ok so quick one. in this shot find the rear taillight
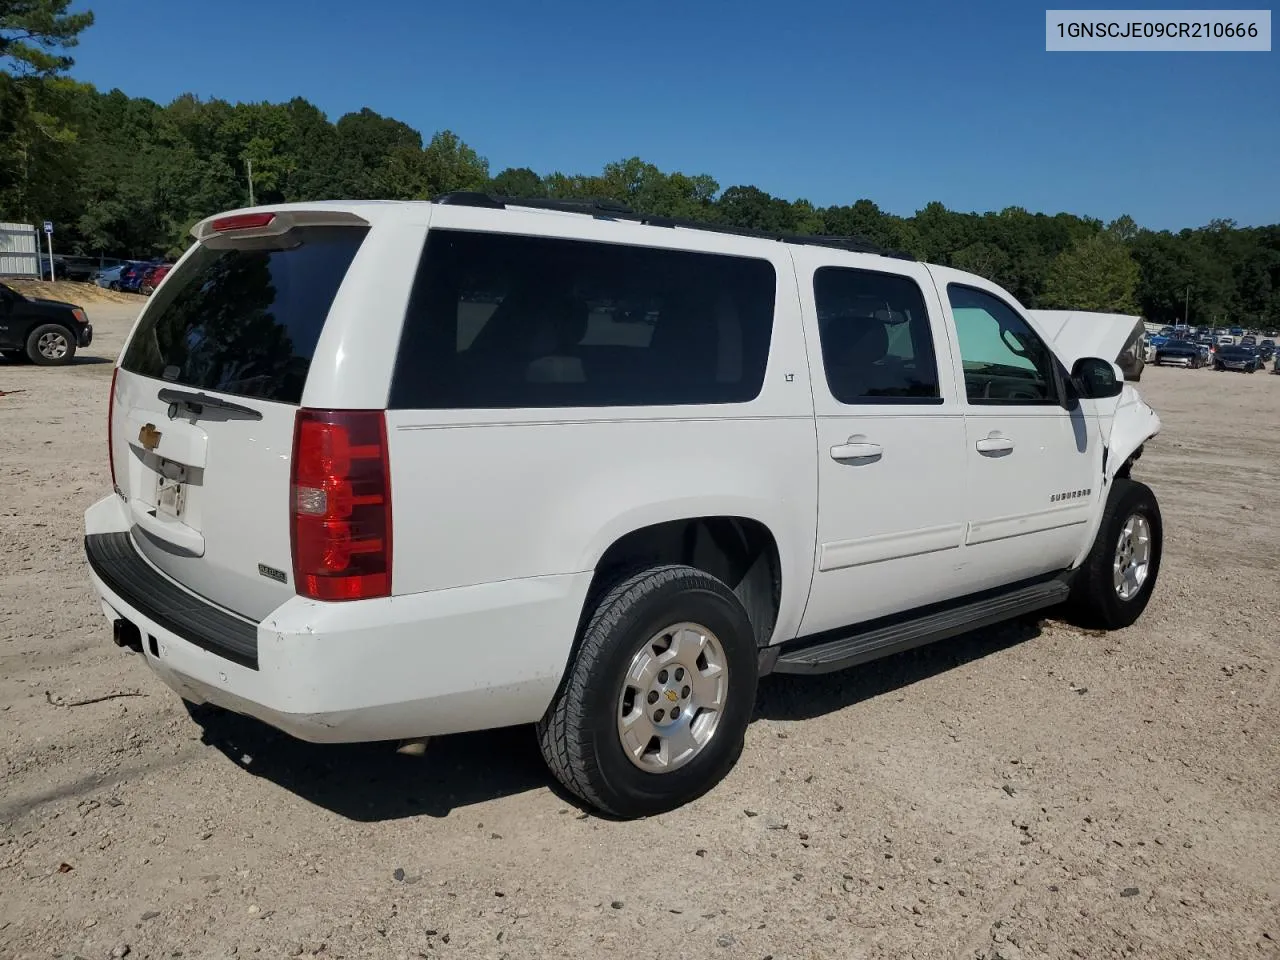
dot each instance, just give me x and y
(111, 415)
(340, 500)
(242, 221)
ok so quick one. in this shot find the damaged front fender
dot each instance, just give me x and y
(1131, 424)
(1126, 423)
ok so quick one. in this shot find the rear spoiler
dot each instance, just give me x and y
(271, 223)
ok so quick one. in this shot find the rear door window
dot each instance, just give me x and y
(876, 342)
(505, 321)
(243, 317)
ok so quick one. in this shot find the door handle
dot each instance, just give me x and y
(858, 448)
(995, 443)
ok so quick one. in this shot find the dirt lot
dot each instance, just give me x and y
(81, 293)
(1032, 791)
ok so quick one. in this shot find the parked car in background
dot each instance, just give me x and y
(151, 279)
(1236, 332)
(131, 277)
(45, 332)
(81, 269)
(1237, 358)
(1180, 353)
(1267, 349)
(59, 267)
(109, 277)
(1226, 340)
(1248, 340)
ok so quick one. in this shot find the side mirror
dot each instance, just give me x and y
(1095, 379)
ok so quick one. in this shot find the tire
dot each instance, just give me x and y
(51, 345)
(114, 285)
(1096, 599)
(146, 289)
(580, 735)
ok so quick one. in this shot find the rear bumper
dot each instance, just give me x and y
(468, 658)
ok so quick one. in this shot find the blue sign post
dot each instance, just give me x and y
(48, 234)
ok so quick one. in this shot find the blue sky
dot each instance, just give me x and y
(901, 103)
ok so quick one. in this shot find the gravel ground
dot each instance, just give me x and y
(1031, 791)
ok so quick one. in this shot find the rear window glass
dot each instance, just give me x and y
(244, 319)
(502, 321)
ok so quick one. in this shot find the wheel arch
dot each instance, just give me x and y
(741, 551)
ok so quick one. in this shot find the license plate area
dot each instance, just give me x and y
(171, 489)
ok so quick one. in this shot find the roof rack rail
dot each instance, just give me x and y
(613, 209)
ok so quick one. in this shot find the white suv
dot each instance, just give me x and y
(389, 470)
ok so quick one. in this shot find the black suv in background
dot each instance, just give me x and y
(46, 332)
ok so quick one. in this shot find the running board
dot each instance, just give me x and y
(870, 642)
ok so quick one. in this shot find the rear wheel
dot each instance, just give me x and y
(146, 289)
(654, 707)
(1112, 587)
(51, 345)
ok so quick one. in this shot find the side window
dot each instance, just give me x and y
(876, 343)
(506, 321)
(1004, 361)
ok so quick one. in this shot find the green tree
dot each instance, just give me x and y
(32, 32)
(1095, 273)
(36, 144)
(517, 182)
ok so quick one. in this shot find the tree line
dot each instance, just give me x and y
(125, 176)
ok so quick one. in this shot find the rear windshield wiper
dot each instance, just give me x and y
(195, 405)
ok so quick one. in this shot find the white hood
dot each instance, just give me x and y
(1079, 333)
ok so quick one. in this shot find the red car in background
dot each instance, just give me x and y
(151, 279)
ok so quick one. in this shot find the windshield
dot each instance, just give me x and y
(244, 319)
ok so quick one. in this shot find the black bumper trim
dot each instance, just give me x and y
(115, 559)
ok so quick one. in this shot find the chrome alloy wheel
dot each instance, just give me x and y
(673, 697)
(53, 345)
(1133, 557)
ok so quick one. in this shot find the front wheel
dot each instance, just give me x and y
(654, 707)
(1114, 583)
(51, 345)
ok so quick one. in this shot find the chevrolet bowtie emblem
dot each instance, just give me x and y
(149, 436)
(671, 695)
